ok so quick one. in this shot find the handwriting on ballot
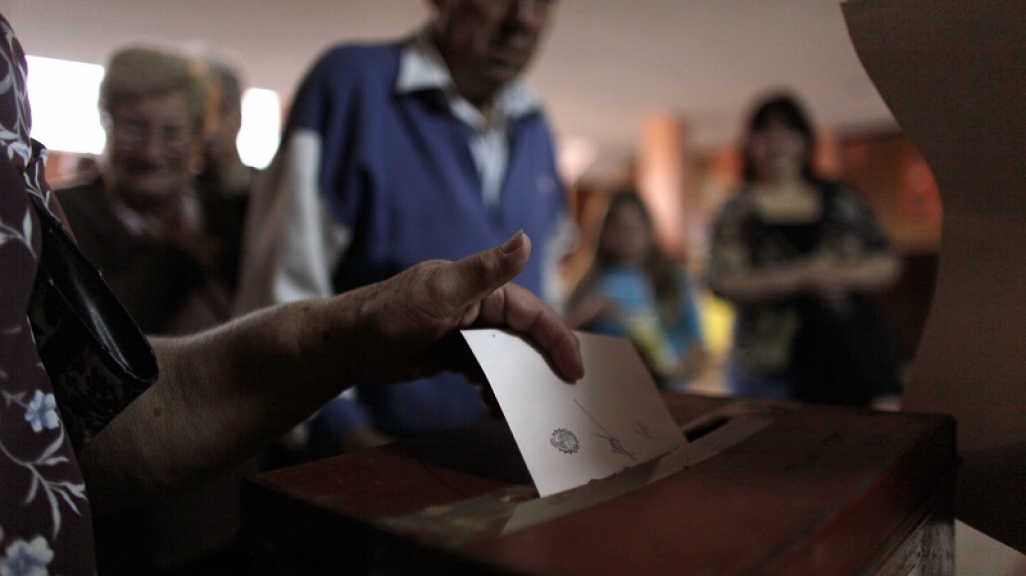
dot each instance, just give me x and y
(569, 434)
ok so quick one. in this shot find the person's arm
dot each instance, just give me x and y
(858, 256)
(874, 273)
(830, 278)
(862, 261)
(731, 273)
(694, 358)
(294, 240)
(305, 204)
(823, 276)
(224, 393)
(558, 246)
(691, 314)
(761, 284)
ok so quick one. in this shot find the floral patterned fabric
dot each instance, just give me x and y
(45, 522)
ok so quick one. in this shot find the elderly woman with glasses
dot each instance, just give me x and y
(159, 244)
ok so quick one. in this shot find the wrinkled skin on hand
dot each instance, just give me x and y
(407, 327)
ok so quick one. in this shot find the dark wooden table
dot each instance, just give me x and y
(809, 490)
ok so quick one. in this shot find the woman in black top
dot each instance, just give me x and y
(797, 255)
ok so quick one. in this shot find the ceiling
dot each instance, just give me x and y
(605, 66)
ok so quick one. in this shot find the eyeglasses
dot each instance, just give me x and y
(137, 132)
(508, 2)
(541, 7)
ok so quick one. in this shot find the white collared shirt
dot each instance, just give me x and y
(421, 68)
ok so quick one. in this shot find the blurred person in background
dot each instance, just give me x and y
(223, 171)
(428, 147)
(164, 248)
(96, 418)
(633, 289)
(168, 245)
(800, 256)
(224, 181)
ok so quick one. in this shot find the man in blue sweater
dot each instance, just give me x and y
(394, 153)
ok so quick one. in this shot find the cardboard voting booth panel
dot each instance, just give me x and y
(954, 75)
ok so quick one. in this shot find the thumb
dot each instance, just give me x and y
(480, 274)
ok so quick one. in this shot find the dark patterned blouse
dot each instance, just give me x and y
(742, 241)
(69, 360)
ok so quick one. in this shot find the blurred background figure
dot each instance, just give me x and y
(431, 146)
(223, 172)
(224, 181)
(633, 289)
(169, 248)
(799, 257)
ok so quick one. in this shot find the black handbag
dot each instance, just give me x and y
(94, 353)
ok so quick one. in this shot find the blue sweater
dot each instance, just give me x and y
(395, 171)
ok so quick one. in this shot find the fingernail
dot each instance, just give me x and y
(514, 243)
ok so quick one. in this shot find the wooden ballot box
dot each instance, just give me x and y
(765, 489)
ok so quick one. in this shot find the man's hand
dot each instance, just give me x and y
(407, 327)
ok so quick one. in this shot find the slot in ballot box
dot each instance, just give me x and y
(761, 488)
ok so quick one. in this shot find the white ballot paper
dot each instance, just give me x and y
(569, 434)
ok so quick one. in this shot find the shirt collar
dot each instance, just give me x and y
(421, 67)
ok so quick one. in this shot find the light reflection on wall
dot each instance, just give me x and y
(261, 127)
(63, 95)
